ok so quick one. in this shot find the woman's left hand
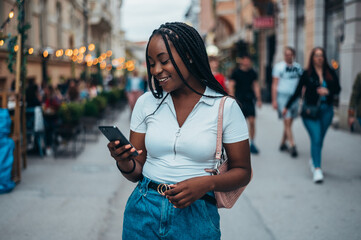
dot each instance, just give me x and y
(322, 91)
(184, 193)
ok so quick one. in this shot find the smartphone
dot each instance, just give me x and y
(112, 133)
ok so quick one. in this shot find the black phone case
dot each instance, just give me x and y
(112, 133)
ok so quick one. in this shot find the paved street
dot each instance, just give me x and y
(84, 198)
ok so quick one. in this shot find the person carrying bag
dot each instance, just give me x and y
(321, 84)
(174, 130)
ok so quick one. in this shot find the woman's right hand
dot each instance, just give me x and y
(121, 153)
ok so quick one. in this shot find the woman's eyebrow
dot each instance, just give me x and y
(161, 54)
(158, 56)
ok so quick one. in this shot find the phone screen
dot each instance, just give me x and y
(112, 133)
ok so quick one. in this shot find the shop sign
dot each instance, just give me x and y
(263, 22)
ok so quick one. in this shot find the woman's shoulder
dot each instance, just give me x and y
(147, 97)
(231, 104)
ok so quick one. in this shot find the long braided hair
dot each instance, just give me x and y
(189, 45)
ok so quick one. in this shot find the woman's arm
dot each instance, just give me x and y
(337, 88)
(123, 157)
(298, 90)
(185, 193)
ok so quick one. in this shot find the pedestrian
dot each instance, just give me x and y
(214, 64)
(321, 84)
(174, 129)
(134, 88)
(32, 94)
(72, 94)
(51, 105)
(354, 110)
(244, 86)
(285, 77)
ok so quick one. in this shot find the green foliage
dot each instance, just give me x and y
(118, 93)
(71, 112)
(12, 54)
(111, 97)
(91, 109)
(101, 102)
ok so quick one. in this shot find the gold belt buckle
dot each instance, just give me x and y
(162, 188)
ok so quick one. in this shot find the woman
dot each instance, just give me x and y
(174, 129)
(321, 85)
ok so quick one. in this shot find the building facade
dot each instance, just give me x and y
(58, 27)
(263, 28)
(240, 27)
(334, 25)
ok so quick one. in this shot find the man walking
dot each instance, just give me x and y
(286, 75)
(244, 86)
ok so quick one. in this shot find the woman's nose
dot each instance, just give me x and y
(157, 69)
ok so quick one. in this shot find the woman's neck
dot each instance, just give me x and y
(319, 70)
(185, 91)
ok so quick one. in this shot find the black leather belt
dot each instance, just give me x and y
(161, 188)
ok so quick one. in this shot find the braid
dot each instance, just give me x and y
(189, 45)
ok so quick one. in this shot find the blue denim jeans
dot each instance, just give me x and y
(149, 215)
(317, 130)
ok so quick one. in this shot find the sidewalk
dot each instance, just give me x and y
(282, 202)
(84, 198)
(67, 198)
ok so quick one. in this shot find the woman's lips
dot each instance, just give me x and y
(163, 81)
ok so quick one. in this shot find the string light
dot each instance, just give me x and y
(76, 52)
(109, 53)
(68, 52)
(82, 49)
(30, 51)
(45, 54)
(91, 47)
(11, 14)
(88, 57)
(16, 48)
(1, 42)
(103, 65)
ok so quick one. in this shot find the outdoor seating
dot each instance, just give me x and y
(35, 129)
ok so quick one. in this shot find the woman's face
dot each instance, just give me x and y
(318, 58)
(161, 67)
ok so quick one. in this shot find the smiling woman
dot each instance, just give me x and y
(156, 12)
(175, 195)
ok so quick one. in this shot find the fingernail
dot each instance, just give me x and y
(132, 150)
(116, 142)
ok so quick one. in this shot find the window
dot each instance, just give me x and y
(43, 23)
(300, 31)
(334, 31)
(59, 25)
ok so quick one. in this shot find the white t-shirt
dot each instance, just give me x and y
(175, 154)
(288, 76)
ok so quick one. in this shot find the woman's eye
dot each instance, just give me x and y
(151, 65)
(165, 62)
